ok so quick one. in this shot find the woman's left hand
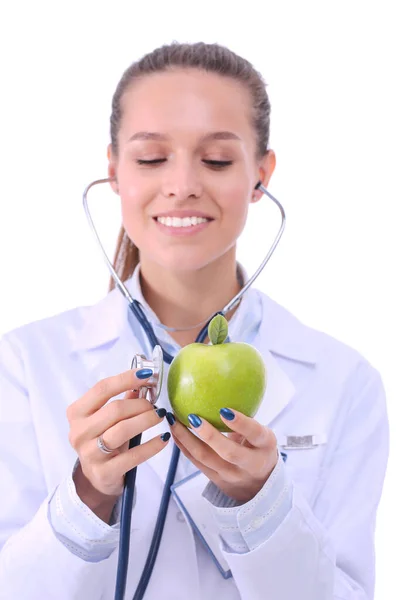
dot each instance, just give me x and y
(239, 464)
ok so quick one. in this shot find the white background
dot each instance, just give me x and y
(332, 70)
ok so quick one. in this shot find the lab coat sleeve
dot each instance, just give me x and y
(33, 562)
(243, 527)
(326, 552)
(78, 528)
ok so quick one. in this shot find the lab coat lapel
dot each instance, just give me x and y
(104, 345)
(281, 334)
(279, 392)
(115, 358)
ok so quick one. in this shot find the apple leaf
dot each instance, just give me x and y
(218, 330)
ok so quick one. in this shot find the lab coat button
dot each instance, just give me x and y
(257, 522)
(180, 517)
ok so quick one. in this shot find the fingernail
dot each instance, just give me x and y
(165, 436)
(161, 412)
(144, 373)
(170, 418)
(227, 414)
(194, 420)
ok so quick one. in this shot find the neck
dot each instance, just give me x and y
(184, 298)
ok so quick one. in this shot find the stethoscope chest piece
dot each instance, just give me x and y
(151, 391)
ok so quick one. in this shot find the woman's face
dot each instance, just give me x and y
(187, 148)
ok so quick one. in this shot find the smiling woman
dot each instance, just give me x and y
(189, 147)
(208, 142)
(196, 155)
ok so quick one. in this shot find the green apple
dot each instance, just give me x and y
(205, 378)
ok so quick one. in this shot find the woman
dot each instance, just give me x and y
(189, 144)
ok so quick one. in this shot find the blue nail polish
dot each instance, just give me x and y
(170, 418)
(227, 414)
(161, 412)
(194, 420)
(284, 456)
(144, 373)
(165, 436)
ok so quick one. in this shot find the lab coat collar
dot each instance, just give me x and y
(282, 333)
(103, 322)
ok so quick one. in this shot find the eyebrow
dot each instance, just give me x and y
(216, 135)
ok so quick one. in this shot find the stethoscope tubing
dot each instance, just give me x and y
(129, 487)
(130, 476)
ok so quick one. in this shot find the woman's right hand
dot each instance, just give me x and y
(99, 478)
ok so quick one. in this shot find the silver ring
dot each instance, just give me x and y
(102, 446)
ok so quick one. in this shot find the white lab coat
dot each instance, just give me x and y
(324, 549)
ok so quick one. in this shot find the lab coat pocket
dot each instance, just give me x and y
(308, 480)
(303, 462)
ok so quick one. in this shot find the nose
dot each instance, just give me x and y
(181, 181)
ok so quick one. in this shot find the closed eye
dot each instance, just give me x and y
(219, 164)
(155, 161)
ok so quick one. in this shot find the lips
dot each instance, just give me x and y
(185, 231)
(181, 214)
(172, 216)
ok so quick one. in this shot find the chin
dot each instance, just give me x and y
(189, 260)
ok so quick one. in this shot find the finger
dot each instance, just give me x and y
(124, 430)
(256, 434)
(135, 456)
(238, 438)
(104, 390)
(112, 413)
(199, 450)
(210, 473)
(225, 448)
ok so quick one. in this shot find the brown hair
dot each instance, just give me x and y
(207, 57)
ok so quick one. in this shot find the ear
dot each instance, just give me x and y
(266, 167)
(112, 169)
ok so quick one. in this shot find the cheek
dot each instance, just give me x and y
(133, 203)
(133, 188)
(234, 209)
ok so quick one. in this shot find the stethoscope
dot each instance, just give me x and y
(151, 392)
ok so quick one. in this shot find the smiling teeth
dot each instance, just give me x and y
(177, 222)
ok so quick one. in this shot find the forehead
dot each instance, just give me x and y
(187, 100)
